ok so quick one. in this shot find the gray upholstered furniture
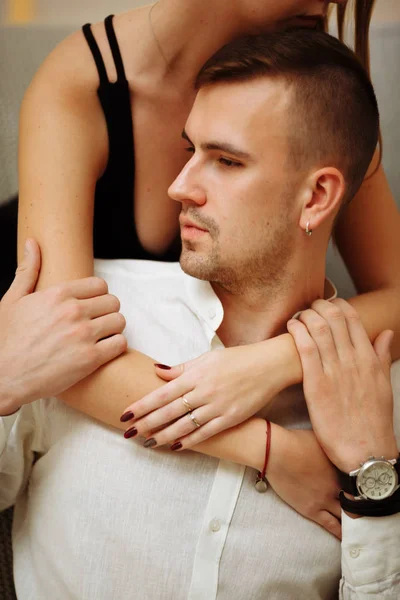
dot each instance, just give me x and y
(23, 49)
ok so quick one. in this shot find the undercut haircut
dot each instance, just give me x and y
(333, 118)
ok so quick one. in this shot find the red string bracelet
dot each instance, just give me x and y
(261, 481)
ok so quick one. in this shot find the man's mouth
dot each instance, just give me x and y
(186, 223)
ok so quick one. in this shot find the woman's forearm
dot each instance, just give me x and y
(132, 376)
(380, 310)
(243, 444)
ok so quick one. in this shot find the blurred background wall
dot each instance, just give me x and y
(77, 11)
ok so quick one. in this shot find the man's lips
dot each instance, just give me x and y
(184, 222)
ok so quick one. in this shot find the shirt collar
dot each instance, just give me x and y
(208, 307)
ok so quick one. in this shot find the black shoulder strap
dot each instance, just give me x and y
(98, 59)
(112, 40)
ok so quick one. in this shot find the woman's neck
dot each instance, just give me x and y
(187, 33)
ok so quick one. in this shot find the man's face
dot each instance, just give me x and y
(238, 218)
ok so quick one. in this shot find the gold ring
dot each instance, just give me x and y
(186, 403)
(195, 421)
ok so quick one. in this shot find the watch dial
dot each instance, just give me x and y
(377, 481)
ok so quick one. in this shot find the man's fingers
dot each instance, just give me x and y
(26, 275)
(89, 287)
(338, 326)
(108, 349)
(320, 331)
(382, 349)
(356, 329)
(100, 306)
(330, 523)
(306, 347)
(108, 325)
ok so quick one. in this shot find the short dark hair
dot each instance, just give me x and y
(335, 115)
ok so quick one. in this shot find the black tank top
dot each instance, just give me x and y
(114, 233)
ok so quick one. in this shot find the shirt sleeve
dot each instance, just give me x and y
(370, 558)
(20, 436)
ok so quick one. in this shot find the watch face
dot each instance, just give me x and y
(377, 480)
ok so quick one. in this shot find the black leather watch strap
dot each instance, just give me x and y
(370, 508)
(348, 484)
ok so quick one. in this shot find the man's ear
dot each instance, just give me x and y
(322, 198)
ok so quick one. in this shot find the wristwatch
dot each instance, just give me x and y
(377, 479)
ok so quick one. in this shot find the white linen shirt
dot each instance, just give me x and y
(99, 517)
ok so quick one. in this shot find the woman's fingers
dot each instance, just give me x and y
(168, 373)
(186, 425)
(200, 434)
(165, 414)
(157, 399)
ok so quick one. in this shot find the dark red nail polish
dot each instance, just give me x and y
(176, 446)
(130, 433)
(165, 367)
(150, 443)
(127, 416)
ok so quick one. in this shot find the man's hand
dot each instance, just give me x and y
(346, 383)
(301, 474)
(51, 339)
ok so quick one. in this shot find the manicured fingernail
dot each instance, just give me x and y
(130, 433)
(176, 446)
(150, 443)
(165, 367)
(127, 416)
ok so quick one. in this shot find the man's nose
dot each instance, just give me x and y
(187, 187)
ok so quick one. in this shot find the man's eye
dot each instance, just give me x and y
(190, 149)
(228, 163)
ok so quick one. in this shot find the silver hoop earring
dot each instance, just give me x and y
(308, 231)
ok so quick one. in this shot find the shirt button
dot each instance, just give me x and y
(355, 553)
(212, 314)
(215, 525)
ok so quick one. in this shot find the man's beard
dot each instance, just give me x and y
(258, 268)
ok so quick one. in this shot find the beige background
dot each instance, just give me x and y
(79, 11)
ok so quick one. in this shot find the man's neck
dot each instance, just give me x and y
(252, 316)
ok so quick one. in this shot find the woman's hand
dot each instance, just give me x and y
(223, 388)
(346, 383)
(51, 339)
(301, 474)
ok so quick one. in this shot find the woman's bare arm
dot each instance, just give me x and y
(62, 153)
(368, 237)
